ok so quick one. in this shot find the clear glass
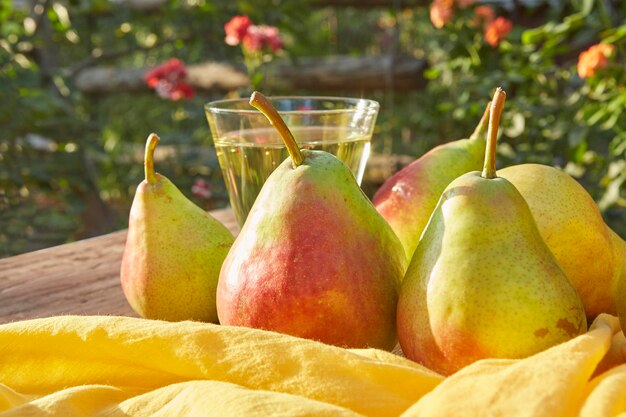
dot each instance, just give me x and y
(249, 148)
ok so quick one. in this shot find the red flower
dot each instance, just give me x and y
(172, 69)
(497, 30)
(260, 37)
(175, 92)
(236, 29)
(594, 58)
(441, 12)
(272, 38)
(254, 38)
(201, 188)
(168, 80)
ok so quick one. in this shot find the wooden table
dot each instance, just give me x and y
(77, 278)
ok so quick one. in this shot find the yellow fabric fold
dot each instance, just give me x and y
(120, 366)
(45, 357)
(191, 398)
(607, 392)
(607, 397)
(550, 383)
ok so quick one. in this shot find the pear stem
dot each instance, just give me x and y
(148, 160)
(481, 128)
(260, 102)
(497, 104)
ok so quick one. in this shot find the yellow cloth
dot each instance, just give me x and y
(119, 366)
(551, 383)
(79, 366)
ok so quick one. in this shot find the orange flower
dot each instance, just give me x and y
(594, 58)
(484, 15)
(441, 12)
(497, 30)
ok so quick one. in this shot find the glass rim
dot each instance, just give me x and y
(371, 105)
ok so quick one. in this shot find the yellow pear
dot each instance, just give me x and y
(619, 254)
(573, 228)
(174, 251)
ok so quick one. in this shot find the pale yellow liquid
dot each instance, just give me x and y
(247, 158)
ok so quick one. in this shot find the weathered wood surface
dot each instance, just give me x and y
(353, 73)
(77, 278)
(208, 76)
(343, 73)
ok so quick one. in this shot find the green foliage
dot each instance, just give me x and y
(69, 162)
(552, 116)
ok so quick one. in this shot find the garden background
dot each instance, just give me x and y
(83, 82)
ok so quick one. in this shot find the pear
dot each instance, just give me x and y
(314, 258)
(619, 255)
(572, 226)
(174, 251)
(407, 198)
(482, 282)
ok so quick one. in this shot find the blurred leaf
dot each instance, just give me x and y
(615, 35)
(432, 73)
(577, 136)
(533, 36)
(517, 127)
(587, 6)
(598, 115)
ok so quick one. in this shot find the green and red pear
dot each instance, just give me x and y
(314, 258)
(407, 198)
